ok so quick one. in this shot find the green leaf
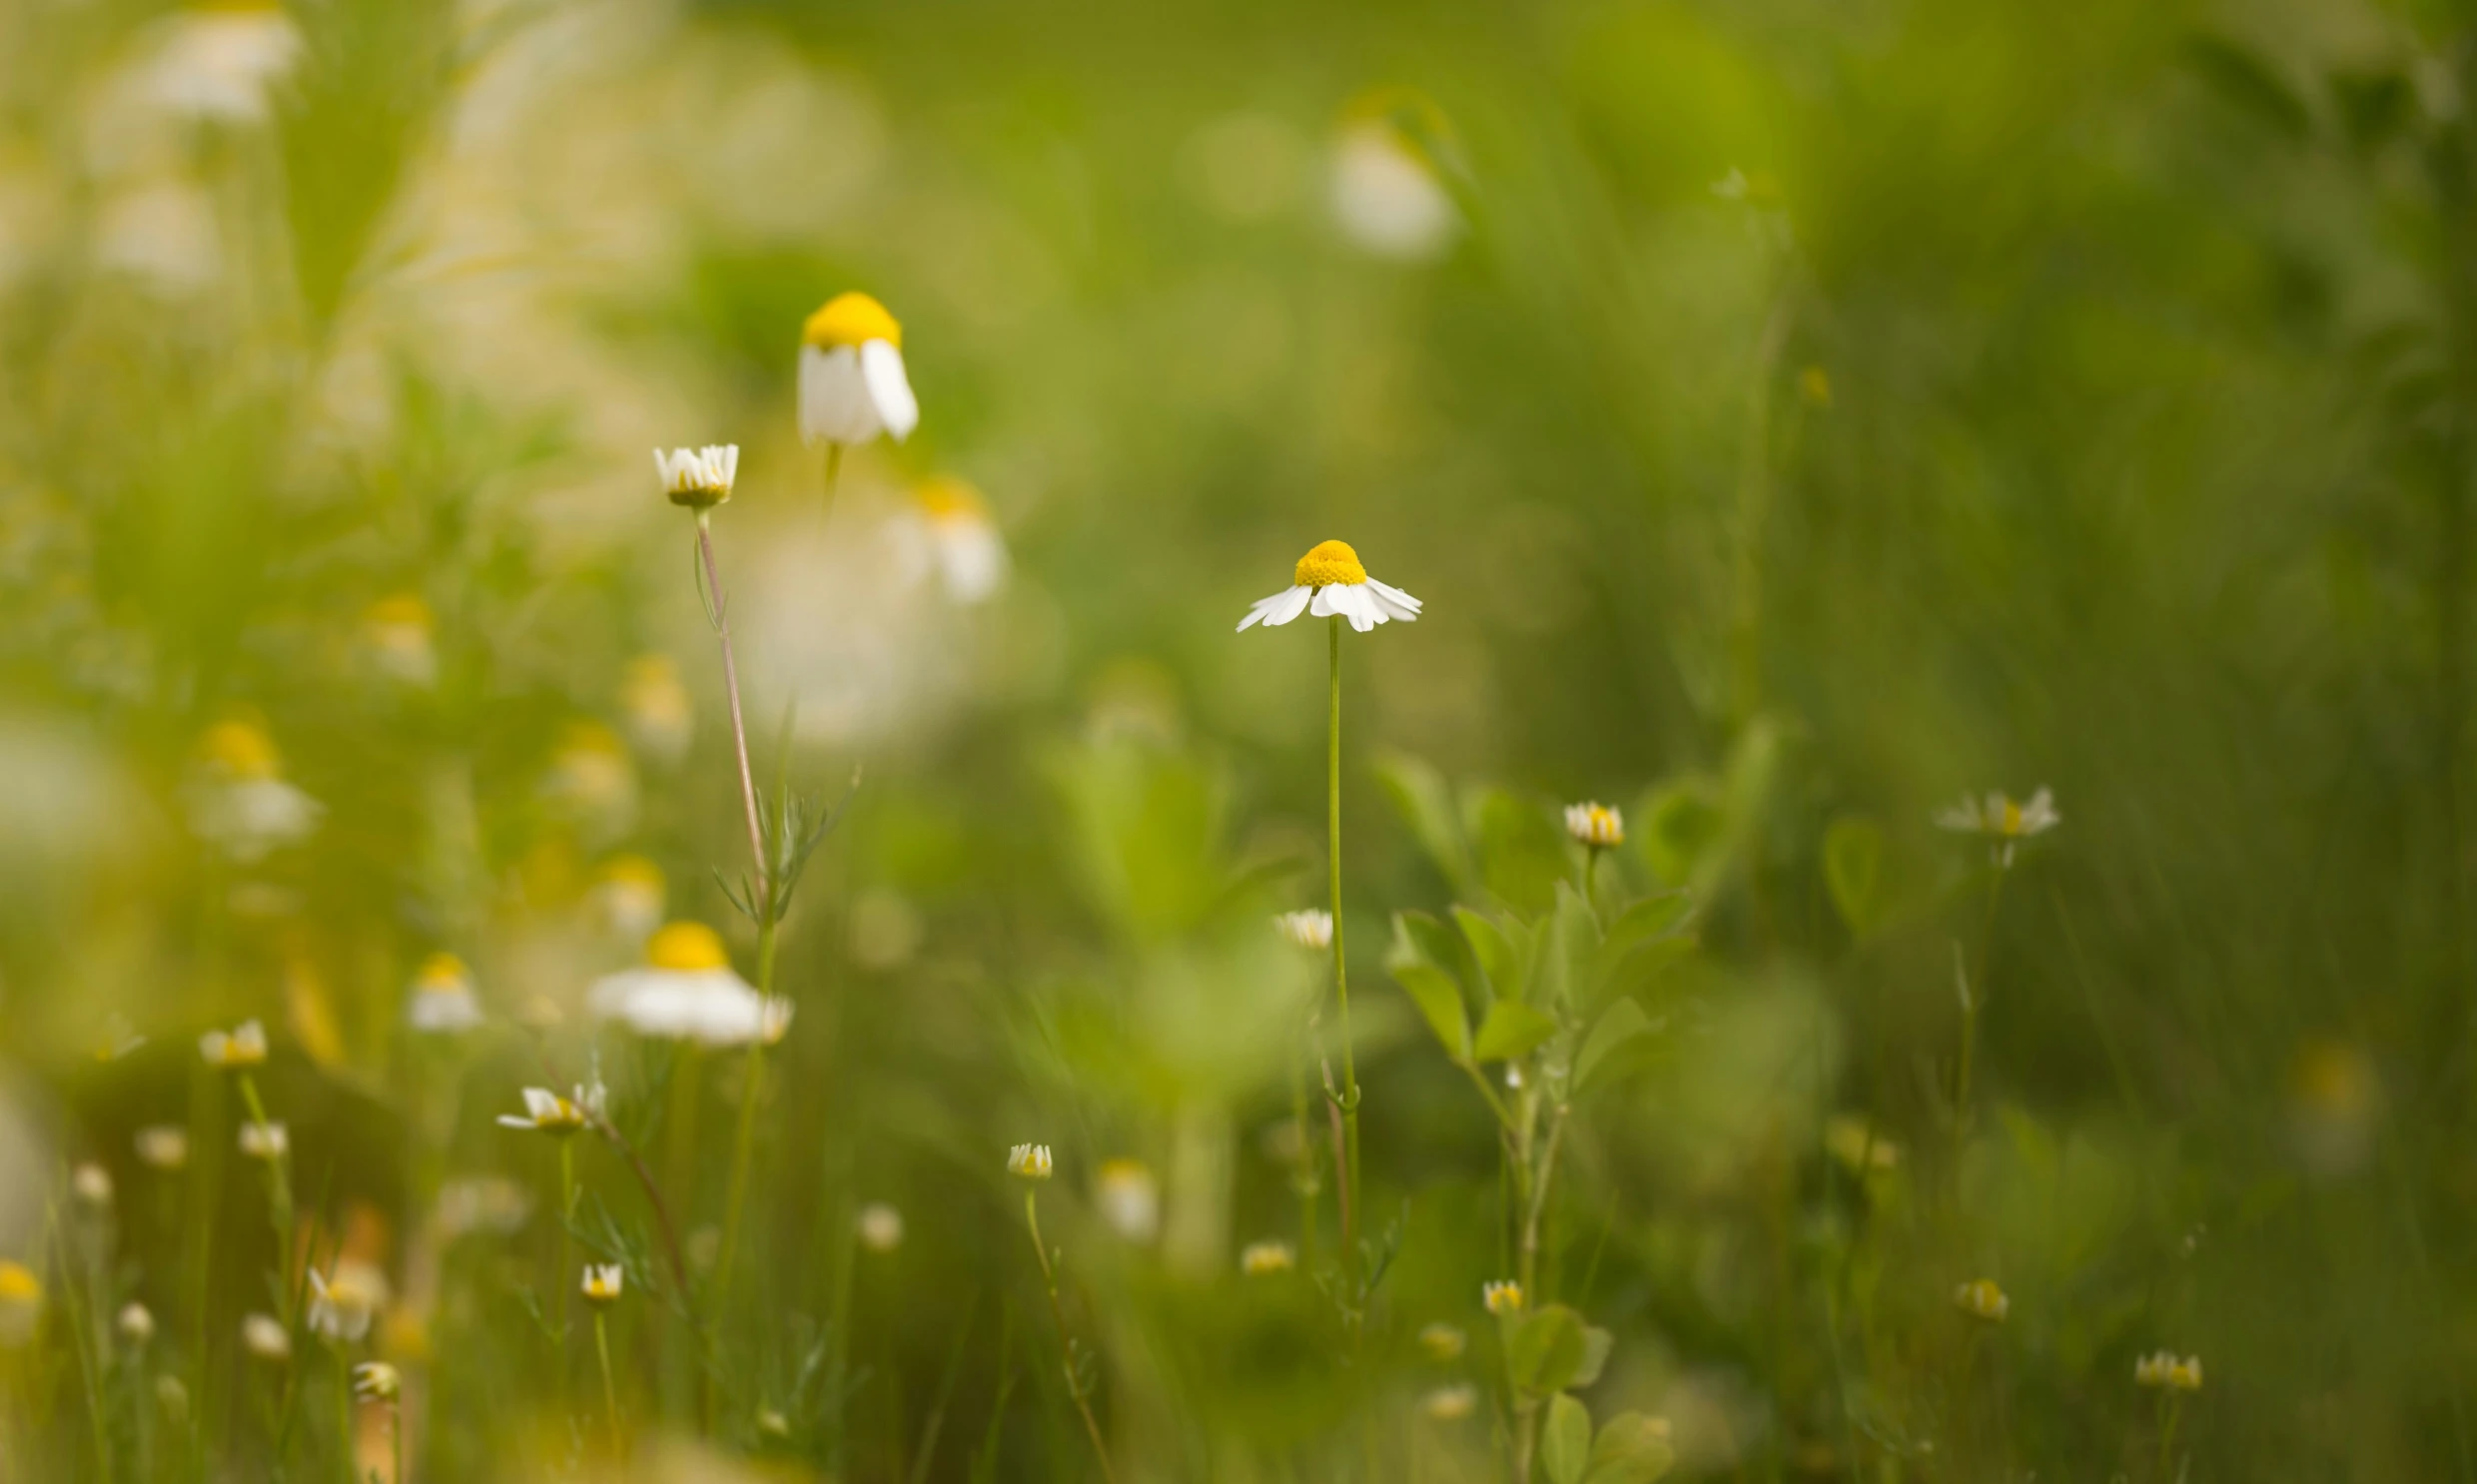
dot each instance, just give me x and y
(1596, 1344)
(1682, 827)
(1498, 959)
(1441, 999)
(1511, 1030)
(1428, 941)
(1522, 848)
(1426, 803)
(1545, 1350)
(1565, 1444)
(1622, 1030)
(1853, 866)
(1631, 1449)
(1576, 930)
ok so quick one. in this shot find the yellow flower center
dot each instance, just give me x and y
(442, 974)
(1328, 562)
(851, 320)
(18, 1284)
(402, 610)
(687, 948)
(943, 499)
(240, 749)
(633, 871)
(2008, 819)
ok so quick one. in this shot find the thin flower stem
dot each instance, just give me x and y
(743, 1145)
(610, 1391)
(2171, 1407)
(722, 611)
(1065, 1345)
(568, 1254)
(1540, 1178)
(1350, 1177)
(1976, 998)
(344, 1417)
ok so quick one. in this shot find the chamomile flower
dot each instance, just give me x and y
(2003, 820)
(1329, 582)
(343, 1302)
(21, 1303)
(396, 634)
(687, 990)
(265, 1141)
(603, 1283)
(1031, 1160)
(1388, 196)
(661, 718)
(879, 1226)
(629, 896)
(1130, 1199)
(442, 1000)
(546, 1111)
(135, 1323)
(2165, 1369)
(1311, 928)
(1442, 1341)
(852, 381)
(265, 1339)
(698, 478)
(1449, 1403)
(1263, 1258)
(244, 1047)
(946, 532)
(1501, 1297)
(376, 1380)
(237, 800)
(91, 1184)
(1981, 1298)
(162, 1147)
(1595, 825)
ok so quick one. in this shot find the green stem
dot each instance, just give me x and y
(1066, 1346)
(744, 1143)
(564, 1278)
(1342, 973)
(2171, 1407)
(1970, 1007)
(344, 1417)
(610, 1391)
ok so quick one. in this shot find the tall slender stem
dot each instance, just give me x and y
(720, 612)
(1066, 1344)
(568, 1254)
(611, 1392)
(751, 1081)
(1342, 973)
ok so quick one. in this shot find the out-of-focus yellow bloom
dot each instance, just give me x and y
(686, 990)
(1031, 1160)
(162, 1147)
(629, 896)
(1262, 1258)
(880, 1227)
(21, 1303)
(661, 718)
(1501, 1297)
(1981, 1296)
(603, 1283)
(442, 999)
(852, 381)
(240, 802)
(376, 1380)
(546, 1111)
(1310, 928)
(1130, 1199)
(343, 1304)
(265, 1338)
(397, 631)
(947, 532)
(1449, 1403)
(2167, 1371)
(698, 478)
(1595, 825)
(592, 779)
(1330, 581)
(1442, 1341)
(2334, 1102)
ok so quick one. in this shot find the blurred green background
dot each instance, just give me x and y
(1794, 416)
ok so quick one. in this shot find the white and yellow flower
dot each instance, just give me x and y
(2003, 820)
(946, 532)
(21, 1303)
(441, 1001)
(1311, 928)
(397, 633)
(238, 1050)
(1329, 582)
(603, 1283)
(1130, 1198)
(1442, 1341)
(852, 381)
(1388, 194)
(135, 1324)
(376, 1380)
(1595, 825)
(686, 989)
(629, 895)
(1981, 1298)
(698, 478)
(239, 802)
(162, 1146)
(265, 1338)
(1449, 1403)
(485, 1204)
(1501, 1297)
(91, 1184)
(218, 61)
(343, 1302)
(661, 718)
(546, 1111)
(2167, 1371)
(879, 1226)
(1031, 1160)
(1264, 1258)
(266, 1141)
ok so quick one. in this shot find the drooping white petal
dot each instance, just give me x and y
(1328, 600)
(1360, 605)
(1397, 598)
(1280, 608)
(890, 390)
(835, 401)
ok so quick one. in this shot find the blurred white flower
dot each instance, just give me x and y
(852, 381)
(485, 1204)
(443, 1000)
(160, 232)
(546, 1111)
(238, 801)
(268, 1142)
(1449, 1403)
(91, 1184)
(945, 530)
(592, 781)
(343, 1302)
(376, 1380)
(218, 61)
(687, 990)
(2163, 1368)
(1387, 195)
(1262, 1258)
(1308, 927)
(629, 897)
(2002, 819)
(603, 1283)
(1595, 825)
(1328, 580)
(135, 1323)
(1442, 1341)
(162, 1146)
(242, 1046)
(700, 478)
(1130, 1199)
(661, 718)
(397, 632)
(1031, 1160)
(880, 1227)
(265, 1338)
(1981, 1296)
(1501, 1297)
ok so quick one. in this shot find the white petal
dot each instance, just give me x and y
(835, 404)
(1280, 608)
(890, 391)
(1395, 596)
(1328, 600)
(1360, 605)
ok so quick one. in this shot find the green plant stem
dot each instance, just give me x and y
(743, 1143)
(344, 1417)
(610, 1391)
(280, 1202)
(1349, 1176)
(565, 1278)
(720, 612)
(2170, 1408)
(1971, 1005)
(1544, 1170)
(1065, 1345)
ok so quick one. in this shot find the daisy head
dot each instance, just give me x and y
(546, 1111)
(1130, 1199)
(686, 989)
(343, 1302)
(1263, 1258)
(1442, 1341)
(1329, 582)
(698, 478)
(2002, 817)
(265, 1339)
(1502, 1298)
(21, 1303)
(266, 1141)
(1031, 1160)
(629, 896)
(135, 1323)
(603, 1283)
(1449, 1403)
(376, 1380)
(398, 631)
(852, 381)
(1595, 825)
(442, 999)
(2167, 1371)
(1981, 1298)
(880, 1227)
(162, 1146)
(947, 532)
(1308, 927)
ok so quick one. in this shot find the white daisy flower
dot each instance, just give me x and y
(443, 999)
(880, 1227)
(343, 1302)
(946, 532)
(698, 478)
(546, 1111)
(1263, 1258)
(265, 1338)
(162, 1146)
(603, 1283)
(1329, 582)
(629, 897)
(686, 990)
(1130, 1199)
(1981, 1298)
(242, 1046)
(1031, 1160)
(1449, 1403)
(268, 1142)
(1501, 1296)
(1310, 928)
(397, 633)
(1387, 195)
(852, 382)
(1595, 825)
(240, 802)
(2005, 821)
(91, 1184)
(376, 1380)
(136, 1323)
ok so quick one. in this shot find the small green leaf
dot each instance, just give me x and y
(1427, 941)
(1852, 865)
(1631, 1449)
(1440, 1001)
(1577, 930)
(1544, 1351)
(1497, 957)
(1426, 803)
(1565, 1444)
(1621, 1030)
(1511, 1030)
(1596, 1344)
